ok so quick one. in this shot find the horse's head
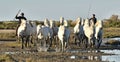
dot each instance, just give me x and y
(65, 23)
(91, 22)
(46, 22)
(61, 20)
(52, 23)
(83, 22)
(87, 22)
(78, 20)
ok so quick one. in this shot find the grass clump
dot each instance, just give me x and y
(111, 32)
(7, 36)
(6, 58)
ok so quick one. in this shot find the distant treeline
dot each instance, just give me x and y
(113, 21)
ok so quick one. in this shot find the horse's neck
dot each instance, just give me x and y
(46, 24)
(78, 25)
(99, 24)
(87, 24)
(23, 21)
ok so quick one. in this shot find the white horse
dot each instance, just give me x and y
(47, 24)
(89, 31)
(77, 30)
(98, 32)
(43, 34)
(25, 30)
(41, 31)
(55, 30)
(64, 35)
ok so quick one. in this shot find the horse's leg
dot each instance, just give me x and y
(55, 40)
(85, 41)
(75, 38)
(67, 43)
(35, 40)
(50, 42)
(62, 43)
(27, 40)
(31, 39)
(80, 40)
(22, 42)
(92, 42)
(99, 42)
(89, 42)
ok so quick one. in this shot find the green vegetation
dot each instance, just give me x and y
(8, 25)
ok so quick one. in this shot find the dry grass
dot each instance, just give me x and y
(111, 32)
(10, 45)
(107, 33)
(6, 58)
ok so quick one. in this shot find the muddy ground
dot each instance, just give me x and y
(10, 52)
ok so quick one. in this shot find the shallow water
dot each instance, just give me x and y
(112, 56)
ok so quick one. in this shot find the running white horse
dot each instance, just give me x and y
(63, 35)
(47, 24)
(43, 34)
(55, 30)
(44, 31)
(77, 30)
(98, 32)
(89, 31)
(25, 30)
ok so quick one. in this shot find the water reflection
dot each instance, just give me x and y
(111, 58)
(96, 58)
(113, 55)
(108, 58)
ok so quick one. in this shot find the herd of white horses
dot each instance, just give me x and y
(84, 31)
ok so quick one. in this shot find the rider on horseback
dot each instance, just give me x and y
(20, 18)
